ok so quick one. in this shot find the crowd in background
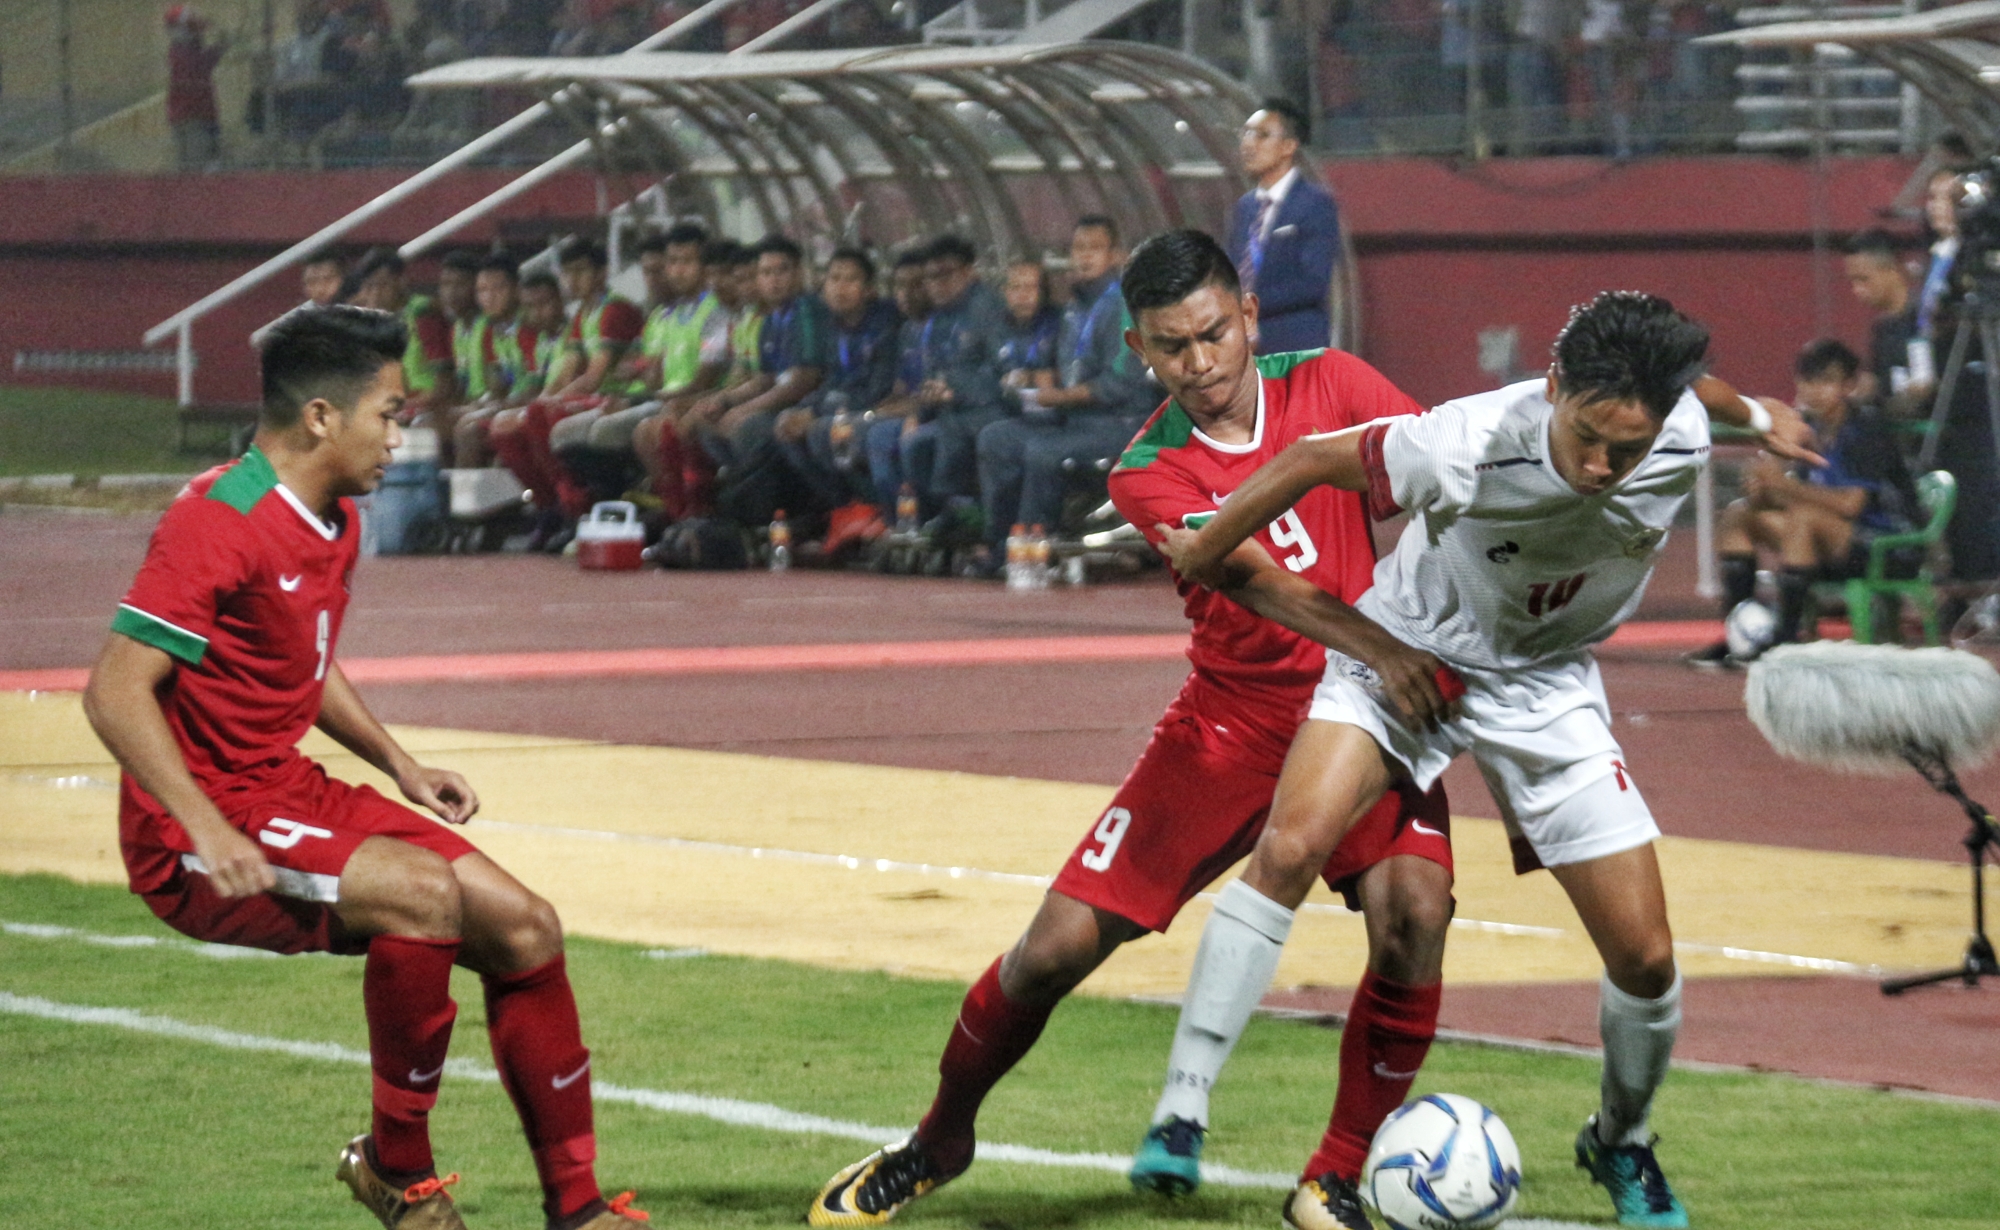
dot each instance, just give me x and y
(848, 402)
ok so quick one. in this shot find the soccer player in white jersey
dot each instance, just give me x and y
(1537, 512)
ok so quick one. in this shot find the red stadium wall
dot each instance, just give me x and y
(89, 262)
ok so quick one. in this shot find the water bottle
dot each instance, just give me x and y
(906, 510)
(1017, 558)
(1038, 558)
(781, 543)
(840, 433)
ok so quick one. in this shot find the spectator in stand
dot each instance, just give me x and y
(1876, 276)
(482, 357)
(1028, 356)
(960, 391)
(821, 437)
(735, 425)
(1612, 60)
(191, 109)
(321, 278)
(427, 364)
(897, 418)
(1285, 234)
(1535, 74)
(1818, 526)
(1104, 397)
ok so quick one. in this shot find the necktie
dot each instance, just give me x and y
(1253, 251)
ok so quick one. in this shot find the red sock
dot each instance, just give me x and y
(406, 989)
(538, 1046)
(991, 1035)
(518, 455)
(1389, 1031)
(669, 482)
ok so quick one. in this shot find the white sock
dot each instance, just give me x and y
(1232, 970)
(1638, 1041)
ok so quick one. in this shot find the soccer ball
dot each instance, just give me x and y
(1442, 1162)
(1750, 629)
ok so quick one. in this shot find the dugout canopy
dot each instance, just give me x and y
(1007, 145)
(1951, 54)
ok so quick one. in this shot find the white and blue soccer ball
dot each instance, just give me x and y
(1750, 629)
(1442, 1162)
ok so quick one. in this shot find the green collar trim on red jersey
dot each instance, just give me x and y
(1278, 366)
(245, 483)
(1173, 429)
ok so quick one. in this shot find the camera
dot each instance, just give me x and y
(1977, 268)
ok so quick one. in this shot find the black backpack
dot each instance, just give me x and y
(707, 543)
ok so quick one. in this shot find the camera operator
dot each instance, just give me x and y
(1962, 290)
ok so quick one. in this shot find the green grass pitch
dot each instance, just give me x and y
(124, 1128)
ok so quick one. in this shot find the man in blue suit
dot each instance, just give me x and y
(1284, 235)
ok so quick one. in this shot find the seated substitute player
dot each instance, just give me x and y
(1198, 795)
(1819, 525)
(1538, 511)
(222, 657)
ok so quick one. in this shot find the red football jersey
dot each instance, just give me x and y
(245, 587)
(1249, 673)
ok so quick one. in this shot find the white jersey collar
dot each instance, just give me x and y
(1256, 435)
(326, 531)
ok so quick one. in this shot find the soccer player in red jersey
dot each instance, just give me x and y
(1197, 799)
(222, 657)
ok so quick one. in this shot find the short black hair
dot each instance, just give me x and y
(1102, 222)
(500, 263)
(325, 352)
(461, 260)
(1874, 242)
(781, 245)
(325, 256)
(374, 261)
(856, 257)
(652, 243)
(1172, 265)
(1821, 355)
(952, 248)
(1297, 126)
(681, 234)
(741, 254)
(1629, 345)
(915, 254)
(582, 248)
(542, 281)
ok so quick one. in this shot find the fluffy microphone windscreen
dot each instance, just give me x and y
(1855, 708)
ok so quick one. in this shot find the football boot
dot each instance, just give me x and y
(1169, 1158)
(1632, 1175)
(876, 1188)
(423, 1205)
(1327, 1203)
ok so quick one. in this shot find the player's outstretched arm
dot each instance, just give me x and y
(1332, 460)
(1412, 679)
(346, 719)
(123, 705)
(1783, 430)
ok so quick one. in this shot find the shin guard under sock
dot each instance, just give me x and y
(1232, 970)
(1389, 1031)
(538, 1045)
(406, 990)
(991, 1035)
(1638, 1045)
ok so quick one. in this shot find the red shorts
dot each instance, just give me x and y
(307, 829)
(1187, 812)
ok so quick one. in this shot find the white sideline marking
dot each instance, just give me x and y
(760, 1115)
(47, 931)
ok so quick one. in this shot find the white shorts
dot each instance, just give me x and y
(1542, 739)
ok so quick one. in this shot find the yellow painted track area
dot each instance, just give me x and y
(933, 873)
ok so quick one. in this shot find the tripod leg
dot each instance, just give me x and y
(1947, 388)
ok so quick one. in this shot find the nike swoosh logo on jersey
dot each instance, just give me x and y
(424, 1078)
(1217, 498)
(1420, 827)
(291, 584)
(564, 1082)
(1382, 1070)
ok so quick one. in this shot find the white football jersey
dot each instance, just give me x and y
(1504, 564)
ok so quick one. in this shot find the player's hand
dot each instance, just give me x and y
(1415, 683)
(1181, 547)
(236, 867)
(444, 792)
(1789, 437)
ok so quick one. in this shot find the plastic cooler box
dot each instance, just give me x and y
(478, 494)
(610, 538)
